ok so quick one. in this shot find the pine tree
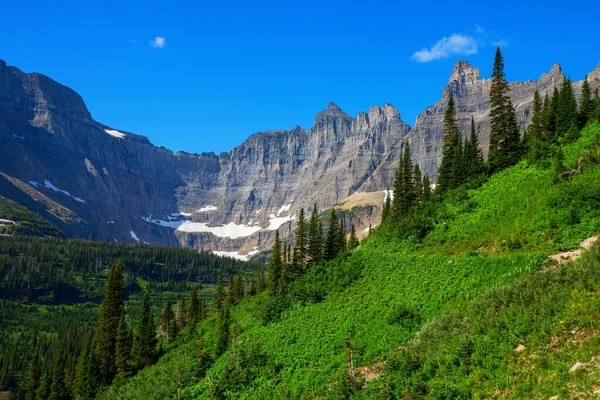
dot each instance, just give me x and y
(315, 237)
(567, 109)
(397, 198)
(144, 345)
(203, 361)
(353, 241)
(553, 115)
(586, 105)
(58, 388)
(238, 289)
(300, 246)
(408, 190)
(194, 308)
(202, 310)
(331, 240)
(86, 382)
(110, 315)
(387, 205)
(418, 184)
(474, 156)
(504, 128)
(180, 314)
(426, 188)
(168, 318)
(446, 179)
(535, 128)
(230, 293)
(284, 280)
(458, 165)
(341, 239)
(33, 380)
(123, 347)
(219, 292)
(43, 391)
(275, 264)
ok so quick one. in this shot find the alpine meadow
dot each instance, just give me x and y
(361, 258)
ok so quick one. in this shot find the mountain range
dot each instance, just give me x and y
(98, 182)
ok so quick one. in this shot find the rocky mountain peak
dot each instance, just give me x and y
(331, 106)
(464, 73)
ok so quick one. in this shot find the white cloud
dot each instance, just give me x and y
(479, 29)
(456, 44)
(158, 42)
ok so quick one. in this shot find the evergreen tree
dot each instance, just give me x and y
(504, 128)
(168, 318)
(219, 291)
(43, 391)
(408, 188)
(180, 314)
(450, 140)
(586, 105)
(566, 116)
(396, 201)
(238, 289)
(300, 246)
(331, 240)
(33, 380)
(458, 165)
(387, 205)
(426, 188)
(353, 241)
(275, 264)
(552, 114)
(123, 347)
(418, 184)
(58, 388)
(284, 280)
(203, 361)
(85, 382)
(202, 310)
(110, 315)
(230, 293)
(341, 239)
(474, 157)
(315, 237)
(535, 129)
(144, 345)
(194, 308)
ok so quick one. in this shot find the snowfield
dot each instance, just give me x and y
(116, 134)
(47, 184)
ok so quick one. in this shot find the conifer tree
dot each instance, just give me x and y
(58, 388)
(426, 188)
(331, 240)
(238, 289)
(203, 360)
(596, 97)
(86, 382)
(458, 165)
(168, 318)
(33, 380)
(418, 184)
(446, 179)
(315, 237)
(300, 246)
(194, 308)
(144, 345)
(474, 157)
(202, 310)
(504, 128)
(586, 105)
(43, 391)
(353, 241)
(123, 347)
(341, 239)
(567, 109)
(552, 115)
(387, 205)
(275, 264)
(396, 208)
(535, 128)
(230, 293)
(219, 292)
(408, 188)
(180, 314)
(284, 280)
(110, 314)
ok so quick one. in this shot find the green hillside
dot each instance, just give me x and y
(440, 316)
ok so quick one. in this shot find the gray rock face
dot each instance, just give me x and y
(98, 183)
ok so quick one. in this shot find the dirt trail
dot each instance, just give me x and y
(561, 258)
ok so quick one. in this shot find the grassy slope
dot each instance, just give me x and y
(483, 238)
(25, 222)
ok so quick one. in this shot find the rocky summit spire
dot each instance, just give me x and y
(464, 73)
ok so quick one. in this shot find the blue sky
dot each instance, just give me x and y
(220, 71)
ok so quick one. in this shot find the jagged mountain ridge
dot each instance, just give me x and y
(54, 153)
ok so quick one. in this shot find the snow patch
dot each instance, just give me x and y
(6, 222)
(47, 184)
(276, 222)
(17, 136)
(134, 236)
(207, 208)
(366, 230)
(236, 255)
(283, 209)
(231, 230)
(114, 133)
(110, 222)
(388, 193)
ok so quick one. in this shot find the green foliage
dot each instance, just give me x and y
(22, 222)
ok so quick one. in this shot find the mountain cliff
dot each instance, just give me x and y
(100, 183)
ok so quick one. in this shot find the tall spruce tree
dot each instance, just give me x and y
(123, 347)
(223, 323)
(552, 115)
(458, 165)
(144, 344)
(586, 105)
(504, 128)
(535, 129)
(408, 188)
(474, 157)
(180, 314)
(110, 315)
(58, 388)
(275, 264)
(168, 317)
(396, 208)
(315, 237)
(418, 184)
(341, 239)
(300, 246)
(353, 241)
(43, 391)
(426, 188)
(331, 240)
(566, 116)
(238, 289)
(446, 179)
(33, 378)
(194, 308)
